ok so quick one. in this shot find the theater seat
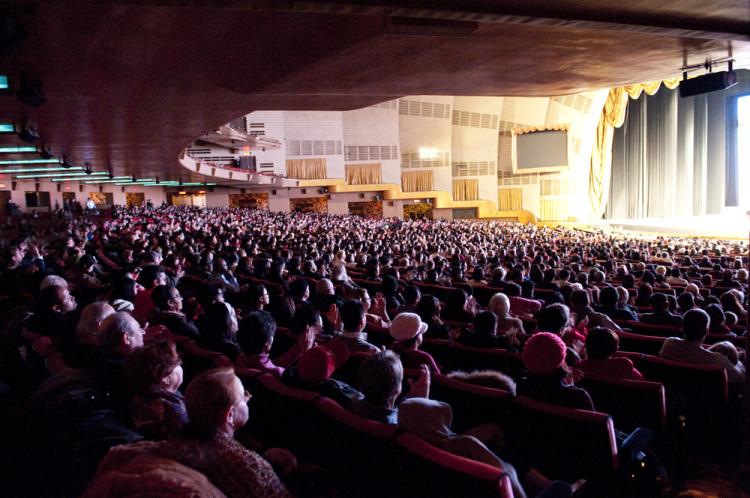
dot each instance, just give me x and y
(631, 403)
(349, 371)
(472, 405)
(453, 356)
(653, 330)
(428, 471)
(563, 443)
(640, 343)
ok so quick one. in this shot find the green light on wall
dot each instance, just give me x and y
(3, 82)
(37, 170)
(7, 128)
(63, 175)
(16, 150)
(29, 161)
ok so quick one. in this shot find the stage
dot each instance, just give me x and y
(732, 225)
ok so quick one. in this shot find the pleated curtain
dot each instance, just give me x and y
(364, 174)
(509, 199)
(306, 169)
(466, 190)
(416, 181)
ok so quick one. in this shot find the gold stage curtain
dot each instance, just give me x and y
(364, 174)
(553, 210)
(509, 199)
(465, 190)
(613, 116)
(306, 169)
(416, 181)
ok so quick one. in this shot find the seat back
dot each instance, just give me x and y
(349, 371)
(653, 330)
(563, 443)
(631, 403)
(472, 405)
(429, 471)
(630, 341)
(454, 356)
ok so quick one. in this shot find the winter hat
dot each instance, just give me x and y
(317, 364)
(407, 326)
(544, 353)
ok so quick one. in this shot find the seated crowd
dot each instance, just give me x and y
(110, 305)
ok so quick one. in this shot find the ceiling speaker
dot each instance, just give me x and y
(710, 82)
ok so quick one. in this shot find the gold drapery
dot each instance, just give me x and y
(466, 190)
(416, 181)
(364, 174)
(509, 199)
(306, 169)
(613, 116)
(553, 209)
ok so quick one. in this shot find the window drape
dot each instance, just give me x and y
(416, 181)
(553, 210)
(306, 169)
(364, 174)
(509, 199)
(466, 190)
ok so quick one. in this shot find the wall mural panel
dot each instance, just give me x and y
(367, 209)
(309, 205)
(256, 200)
(417, 211)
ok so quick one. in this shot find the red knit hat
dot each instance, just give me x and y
(317, 364)
(544, 353)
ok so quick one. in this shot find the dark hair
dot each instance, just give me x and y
(695, 325)
(659, 301)
(254, 294)
(351, 314)
(217, 320)
(47, 298)
(161, 296)
(552, 318)
(686, 301)
(411, 294)
(389, 285)
(601, 343)
(428, 308)
(298, 288)
(717, 316)
(512, 290)
(124, 288)
(255, 330)
(485, 323)
(304, 316)
(608, 296)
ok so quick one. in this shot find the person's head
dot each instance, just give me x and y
(407, 330)
(695, 325)
(55, 299)
(512, 290)
(216, 403)
(318, 363)
(412, 295)
(304, 318)
(154, 366)
(659, 301)
(325, 287)
(256, 332)
(152, 276)
(544, 354)
(727, 349)
(608, 297)
(353, 316)
(428, 308)
(257, 296)
(125, 288)
(380, 378)
(91, 317)
(478, 273)
(601, 343)
(693, 289)
(579, 299)
(731, 319)
(716, 316)
(299, 289)
(623, 296)
(485, 323)
(53, 280)
(731, 300)
(120, 334)
(166, 298)
(389, 285)
(552, 318)
(685, 301)
(223, 321)
(499, 304)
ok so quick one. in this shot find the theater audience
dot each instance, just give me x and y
(661, 314)
(169, 312)
(407, 331)
(256, 333)
(601, 344)
(354, 321)
(689, 348)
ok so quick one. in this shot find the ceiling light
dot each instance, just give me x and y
(29, 161)
(3, 82)
(17, 150)
(7, 128)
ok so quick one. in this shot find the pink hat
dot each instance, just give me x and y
(544, 353)
(407, 326)
(318, 363)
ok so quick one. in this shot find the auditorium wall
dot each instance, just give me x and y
(374, 126)
(315, 126)
(156, 195)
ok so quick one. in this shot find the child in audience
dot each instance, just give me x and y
(601, 344)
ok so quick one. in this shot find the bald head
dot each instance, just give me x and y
(120, 333)
(91, 317)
